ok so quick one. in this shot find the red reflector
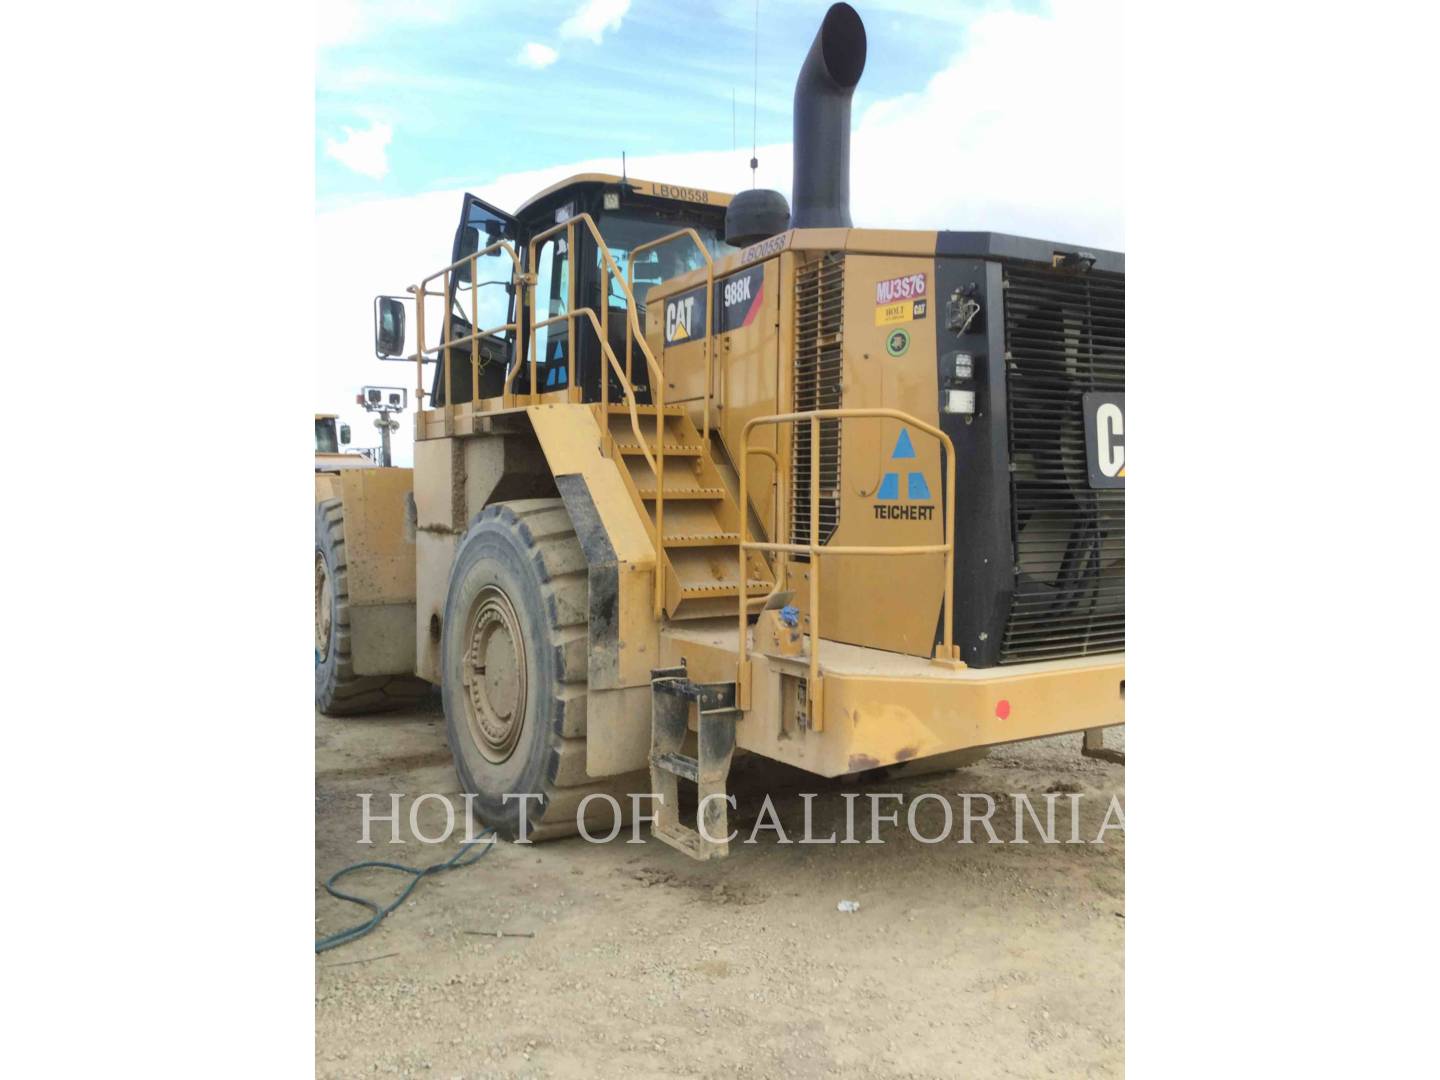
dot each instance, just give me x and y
(1002, 709)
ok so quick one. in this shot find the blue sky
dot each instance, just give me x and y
(445, 80)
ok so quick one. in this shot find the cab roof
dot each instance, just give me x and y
(652, 188)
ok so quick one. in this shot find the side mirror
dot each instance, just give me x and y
(344, 434)
(389, 327)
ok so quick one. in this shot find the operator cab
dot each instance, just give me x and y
(328, 437)
(628, 214)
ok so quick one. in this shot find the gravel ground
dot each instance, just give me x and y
(963, 960)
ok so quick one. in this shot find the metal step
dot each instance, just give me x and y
(683, 493)
(671, 694)
(645, 410)
(635, 450)
(723, 588)
(702, 540)
(682, 765)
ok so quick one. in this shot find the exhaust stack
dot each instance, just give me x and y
(827, 79)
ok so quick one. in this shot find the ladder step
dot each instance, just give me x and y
(688, 841)
(682, 765)
(700, 540)
(684, 493)
(634, 449)
(723, 588)
(645, 410)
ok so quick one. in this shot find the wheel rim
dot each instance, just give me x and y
(493, 674)
(324, 607)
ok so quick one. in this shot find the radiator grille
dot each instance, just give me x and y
(1065, 336)
(819, 318)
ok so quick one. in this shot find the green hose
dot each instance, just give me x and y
(354, 933)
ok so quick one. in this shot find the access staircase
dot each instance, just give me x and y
(698, 519)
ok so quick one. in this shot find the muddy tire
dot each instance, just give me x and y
(338, 690)
(514, 657)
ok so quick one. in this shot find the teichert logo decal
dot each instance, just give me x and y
(917, 504)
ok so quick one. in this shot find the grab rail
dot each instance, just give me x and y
(634, 334)
(447, 342)
(814, 549)
(656, 458)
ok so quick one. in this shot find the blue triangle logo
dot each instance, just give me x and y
(916, 487)
(904, 448)
(889, 487)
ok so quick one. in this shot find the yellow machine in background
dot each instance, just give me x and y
(846, 498)
(330, 436)
(364, 589)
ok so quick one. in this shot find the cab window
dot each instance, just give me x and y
(552, 298)
(325, 440)
(623, 233)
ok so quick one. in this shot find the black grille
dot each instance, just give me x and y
(1065, 337)
(819, 319)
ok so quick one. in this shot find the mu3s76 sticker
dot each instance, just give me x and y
(900, 299)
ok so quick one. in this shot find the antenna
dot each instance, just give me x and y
(623, 181)
(734, 141)
(755, 100)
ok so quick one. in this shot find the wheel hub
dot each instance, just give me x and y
(493, 674)
(324, 607)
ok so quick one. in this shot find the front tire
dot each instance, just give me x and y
(514, 654)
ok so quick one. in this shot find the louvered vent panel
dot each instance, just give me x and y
(819, 319)
(1065, 337)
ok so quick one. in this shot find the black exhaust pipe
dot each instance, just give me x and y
(821, 187)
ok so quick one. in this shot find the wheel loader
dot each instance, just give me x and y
(364, 589)
(699, 474)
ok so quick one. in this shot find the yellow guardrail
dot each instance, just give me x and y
(815, 550)
(694, 237)
(658, 388)
(447, 342)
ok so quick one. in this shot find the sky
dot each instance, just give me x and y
(971, 114)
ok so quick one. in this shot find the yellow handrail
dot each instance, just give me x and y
(946, 648)
(527, 280)
(709, 304)
(421, 291)
(660, 412)
(609, 268)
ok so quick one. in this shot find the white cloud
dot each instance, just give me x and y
(537, 56)
(340, 22)
(362, 151)
(593, 17)
(1019, 133)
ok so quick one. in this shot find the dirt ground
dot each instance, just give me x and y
(963, 960)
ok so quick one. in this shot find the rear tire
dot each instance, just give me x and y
(515, 658)
(338, 690)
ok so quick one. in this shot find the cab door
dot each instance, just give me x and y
(486, 296)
